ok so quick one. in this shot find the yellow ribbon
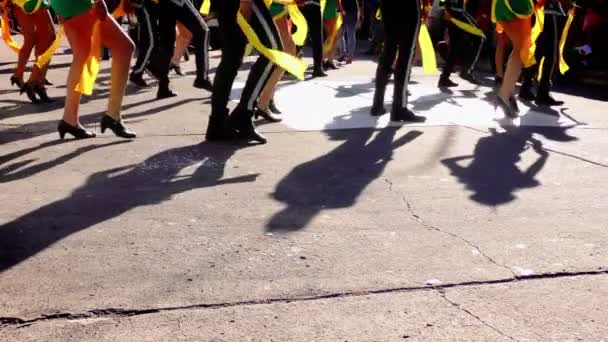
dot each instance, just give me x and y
(327, 47)
(539, 77)
(206, 7)
(538, 28)
(91, 68)
(6, 33)
(467, 27)
(298, 19)
(563, 66)
(45, 58)
(429, 59)
(289, 63)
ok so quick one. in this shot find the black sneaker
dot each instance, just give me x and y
(241, 121)
(406, 115)
(165, 93)
(467, 76)
(138, 80)
(318, 73)
(525, 94)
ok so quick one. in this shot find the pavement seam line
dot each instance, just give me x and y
(444, 296)
(427, 226)
(18, 323)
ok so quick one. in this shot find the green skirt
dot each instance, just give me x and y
(506, 10)
(31, 6)
(71, 8)
(277, 10)
(331, 10)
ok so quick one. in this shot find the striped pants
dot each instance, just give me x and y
(233, 50)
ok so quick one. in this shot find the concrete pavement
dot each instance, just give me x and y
(452, 230)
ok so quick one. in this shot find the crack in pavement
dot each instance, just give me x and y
(444, 296)
(17, 323)
(412, 212)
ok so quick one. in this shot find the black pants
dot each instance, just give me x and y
(312, 12)
(233, 51)
(463, 45)
(171, 11)
(547, 48)
(401, 25)
(147, 31)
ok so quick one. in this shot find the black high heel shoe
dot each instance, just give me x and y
(273, 107)
(28, 89)
(265, 114)
(513, 104)
(177, 69)
(506, 108)
(16, 81)
(117, 127)
(41, 92)
(78, 132)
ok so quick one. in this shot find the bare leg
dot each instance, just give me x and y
(181, 43)
(122, 48)
(284, 27)
(78, 30)
(29, 33)
(518, 31)
(499, 56)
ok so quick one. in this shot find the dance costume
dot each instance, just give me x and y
(402, 23)
(462, 43)
(240, 121)
(147, 19)
(507, 10)
(311, 9)
(71, 8)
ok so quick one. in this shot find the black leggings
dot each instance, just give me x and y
(147, 31)
(546, 47)
(463, 45)
(233, 50)
(401, 25)
(170, 12)
(312, 12)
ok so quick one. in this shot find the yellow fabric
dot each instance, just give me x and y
(429, 60)
(539, 77)
(91, 67)
(379, 14)
(206, 7)
(45, 58)
(467, 27)
(6, 34)
(298, 19)
(563, 66)
(538, 28)
(327, 47)
(120, 10)
(289, 63)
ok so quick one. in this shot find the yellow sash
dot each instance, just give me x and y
(206, 7)
(429, 60)
(467, 27)
(6, 33)
(289, 63)
(327, 47)
(563, 66)
(538, 28)
(298, 19)
(45, 58)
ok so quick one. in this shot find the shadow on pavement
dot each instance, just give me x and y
(110, 193)
(492, 173)
(336, 179)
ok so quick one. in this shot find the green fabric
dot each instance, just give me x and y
(519, 8)
(71, 8)
(331, 10)
(29, 6)
(276, 9)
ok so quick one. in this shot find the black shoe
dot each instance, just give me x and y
(153, 70)
(547, 100)
(203, 83)
(273, 107)
(330, 65)
(446, 82)
(506, 107)
(78, 132)
(467, 76)
(406, 115)
(164, 92)
(138, 80)
(17, 81)
(378, 110)
(48, 83)
(266, 115)
(513, 104)
(117, 127)
(497, 80)
(525, 94)
(218, 130)
(28, 89)
(240, 121)
(41, 92)
(318, 73)
(177, 69)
